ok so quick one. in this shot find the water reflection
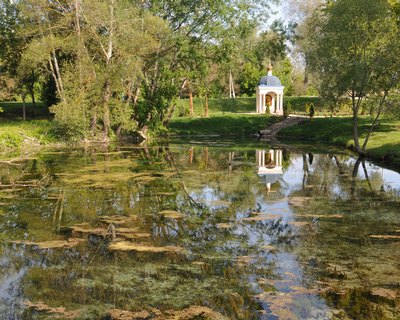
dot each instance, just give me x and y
(184, 231)
(270, 166)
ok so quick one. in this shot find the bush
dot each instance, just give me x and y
(287, 109)
(310, 109)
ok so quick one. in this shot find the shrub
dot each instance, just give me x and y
(287, 109)
(312, 110)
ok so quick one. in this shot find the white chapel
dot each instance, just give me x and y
(270, 94)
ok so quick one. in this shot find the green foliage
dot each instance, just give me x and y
(249, 78)
(284, 71)
(311, 110)
(312, 91)
(81, 58)
(353, 49)
(10, 140)
(287, 109)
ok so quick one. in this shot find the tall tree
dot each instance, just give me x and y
(355, 51)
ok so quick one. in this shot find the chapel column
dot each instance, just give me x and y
(272, 107)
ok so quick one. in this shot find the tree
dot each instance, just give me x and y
(10, 48)
(301, 12)
(354, 50)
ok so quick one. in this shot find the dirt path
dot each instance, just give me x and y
(272, 131)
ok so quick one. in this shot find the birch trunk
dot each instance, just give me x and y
(191, 103)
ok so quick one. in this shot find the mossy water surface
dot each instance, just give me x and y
(198, 231)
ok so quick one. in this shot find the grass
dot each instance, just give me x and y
(222, 106)
(384, 144)
(227, 124)
(226, 116)
(14, 134)
(216, 106)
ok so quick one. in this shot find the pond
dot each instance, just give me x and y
(199, 230)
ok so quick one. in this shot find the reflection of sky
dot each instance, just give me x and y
(391, 178)
(288, 266)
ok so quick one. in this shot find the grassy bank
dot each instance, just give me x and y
(384, 144)
(222, 106)
(228, 124)
(16, 134)
(227, 116)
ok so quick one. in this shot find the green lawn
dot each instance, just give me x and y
(216, 106)
(228, 124)
(226, 116)
(384, 144)
(222, 106)
(14, 133)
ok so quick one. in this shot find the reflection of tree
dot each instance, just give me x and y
(355, 270)
(219, 260)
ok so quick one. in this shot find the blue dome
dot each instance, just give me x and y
(270, 81)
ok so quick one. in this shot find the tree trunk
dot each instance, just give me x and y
(93, 121)
(356, 138)
(191, 103)
(106, 109)
(191, 154)
(355, 135)
(206, 107)
(372, 127)
(23, 107)
(79, 34)
(231, 86)
(107, 83)
(355, 176)
(32, 94)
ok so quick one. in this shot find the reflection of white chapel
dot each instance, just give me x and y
(270, 94)
(270, 167)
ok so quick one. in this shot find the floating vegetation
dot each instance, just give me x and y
(130, 246)
(225, 225)
(172, 214)
(262, 217)
(299, 223)
(219, 203)
(385, 237)
(191, 313)
(320, 216)
(118, 220)
(268, 248)
(116, 314)
(52, 244)
(298, 201)
(198, 245)
(385, 293)
(59, 312)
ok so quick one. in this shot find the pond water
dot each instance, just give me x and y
(199, 230)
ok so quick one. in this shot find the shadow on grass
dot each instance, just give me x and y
(13, 110)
